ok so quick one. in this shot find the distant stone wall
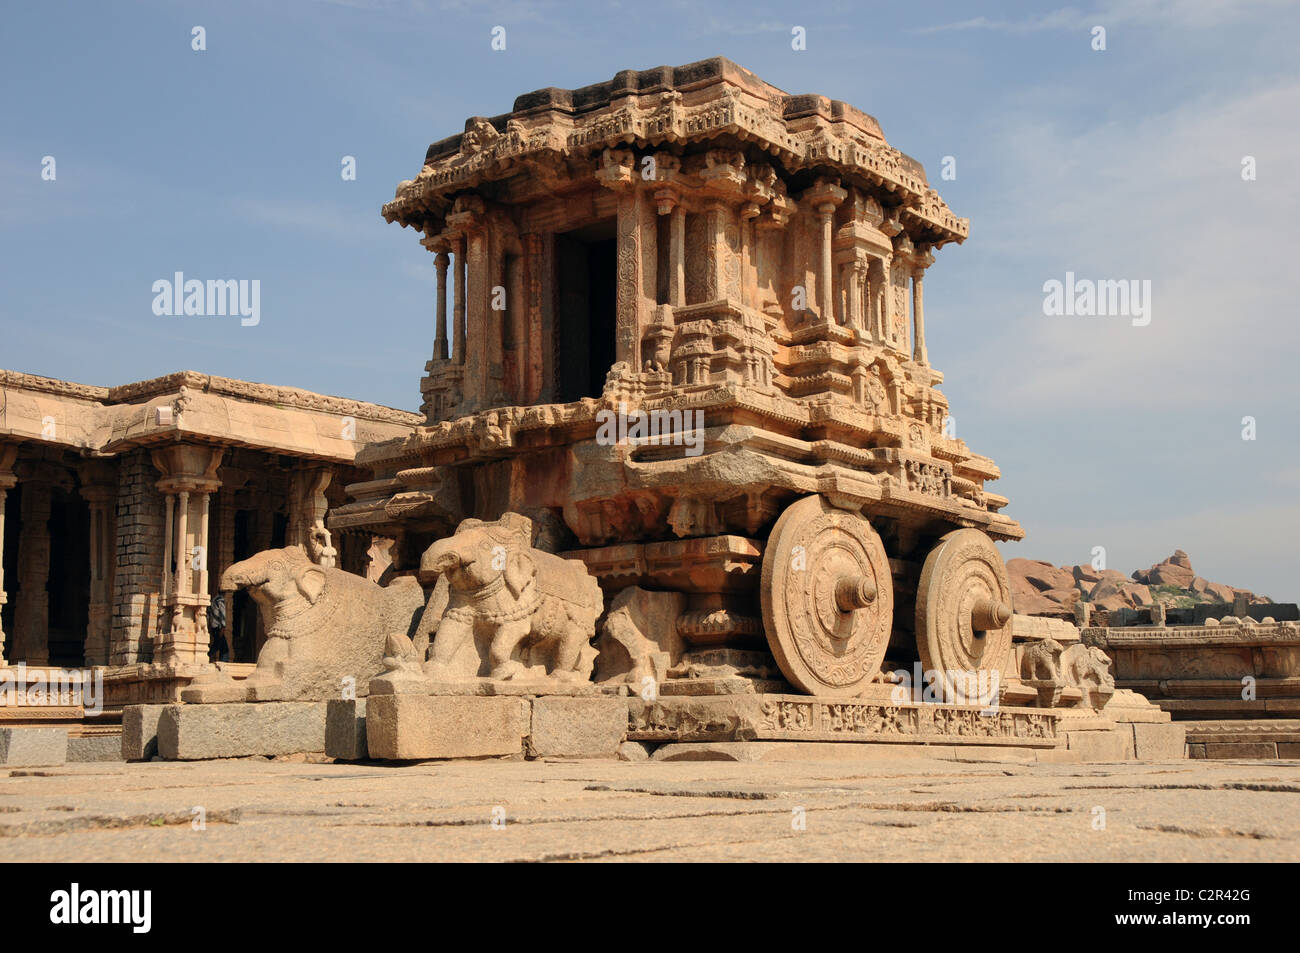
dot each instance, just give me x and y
(137, 595)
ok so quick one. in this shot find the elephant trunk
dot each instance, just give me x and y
(438, 559)
(239, 576)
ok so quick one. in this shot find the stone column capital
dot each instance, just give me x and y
(826, 195)
(922, 259)
(467, 215)
(617, 170)
(667, 199)
(188, 468)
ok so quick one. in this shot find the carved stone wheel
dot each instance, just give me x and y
(963, 616)
(828, 598)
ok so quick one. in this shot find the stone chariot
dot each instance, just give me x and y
(685, 337)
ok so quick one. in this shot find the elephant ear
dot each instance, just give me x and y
(519, 572)
(311, 583)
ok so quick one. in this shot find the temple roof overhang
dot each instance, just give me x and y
(192, 407)
(697, 102)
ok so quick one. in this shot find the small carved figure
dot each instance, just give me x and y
(320, 547)
(1038, 663)
(1087, 668)
(877, 397)
(479, 135)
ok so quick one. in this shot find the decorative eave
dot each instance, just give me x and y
(53, 386)
(695, 102)
(194, 408)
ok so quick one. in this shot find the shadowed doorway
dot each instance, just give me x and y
(585, 263)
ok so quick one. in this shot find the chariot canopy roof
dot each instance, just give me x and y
(666, 107)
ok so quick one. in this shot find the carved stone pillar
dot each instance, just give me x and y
(677, 256)
(923, 260)
(441, 260)
(458, 303)
(715, 276)
(618, 172)
(515, 328)
(496, 319)
(7, 482)
(857, 275)
(99, 490)
(477, 318)
(531, 343)
(547, 348)
(181, 586)
(473, 290)
(749, 212)
(880, 300)
(648, 228)
(189, 475)
(628, 274)
(825, 196)
(826, 214)
(32, 615)
(307, 503)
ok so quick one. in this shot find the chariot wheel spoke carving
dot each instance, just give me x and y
(963, 617)
(828, 598)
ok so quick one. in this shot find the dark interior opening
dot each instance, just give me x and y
(69, 579)
(585, 263)
(242, 609)
(13, 532)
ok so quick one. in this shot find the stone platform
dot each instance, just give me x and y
(1243, 738)
(1233, 684)
(477, 722)
(405, 721)
(409, 727)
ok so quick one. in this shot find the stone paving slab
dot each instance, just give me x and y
(501, 810)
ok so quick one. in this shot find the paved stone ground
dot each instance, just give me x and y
(896, 809)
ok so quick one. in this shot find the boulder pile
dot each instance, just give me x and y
(1040, 588)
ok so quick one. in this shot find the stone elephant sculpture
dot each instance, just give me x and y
(322, 625)
(1087, 668)
(1039, 661)
(525, 612)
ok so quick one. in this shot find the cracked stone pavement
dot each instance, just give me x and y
(888, 809)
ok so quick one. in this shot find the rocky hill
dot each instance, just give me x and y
(1039, 588)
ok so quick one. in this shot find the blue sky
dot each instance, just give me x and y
(1118, 164)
